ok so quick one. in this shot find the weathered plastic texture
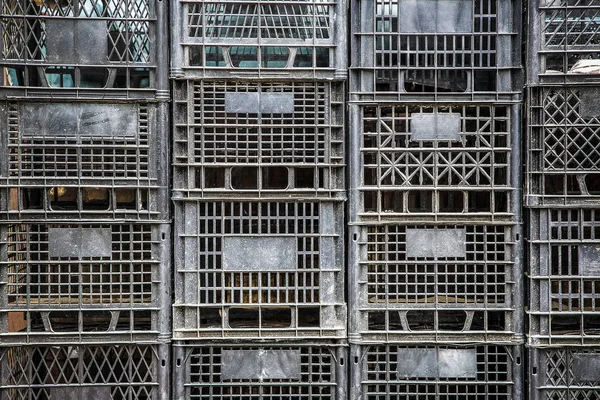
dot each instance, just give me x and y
(259, 371)
(564, 373)
(259, 270)
(563, 146)
(73, 160)
(259, 39)
(72, 372)
(84, 282)
(563, 43)
(397, 372)
(236, 139)
(424, 50)
(439, 162)
(442, 283)
(564, 277)
(84, 49)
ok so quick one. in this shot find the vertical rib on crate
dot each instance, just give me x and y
(248, 138)
(451, 283)
(565, 276)
(563, 146)
(259, 269)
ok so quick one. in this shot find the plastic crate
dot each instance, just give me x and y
(448, 283)
(564, 373)
(435, 162)
(229, 39)
(83, 160)
(260, 371)
(259, 270)
(564, 41)
(563, 146)
(395, 372)
(84, 281)
(565, 276)
(114, 372)
(258, 139)
(83, 48)
(430, 49)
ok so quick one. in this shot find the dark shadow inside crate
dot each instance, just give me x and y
(247, 317)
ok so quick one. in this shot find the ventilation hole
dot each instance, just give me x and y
(163, 362)
(355, 360)
(179, 362)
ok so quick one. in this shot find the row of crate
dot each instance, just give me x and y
(251, 139)
(399, 49)
(265, 269)
(306, 371)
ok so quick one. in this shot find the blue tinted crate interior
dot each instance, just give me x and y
(83, 372)
(435, 162)
(298, 371)
(449, 283)
(398, 372)
(564, 41)
(563, 146)
(64, 280)
(564, 373)
(229, 39)
(565, 276)
(258, 139)
(430, 48)
(79, 160)
(80, 48)
(259, 270)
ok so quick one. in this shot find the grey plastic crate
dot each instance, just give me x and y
(259, 139)
(476, 372)
(84, 49)
(564, 373)
(83, 160)
(266, 39)
(448, 283)
(84, 282)
(563, 38)
(134, 372)
(435, 162)
(259, 270)
(260, 371)
(564, 276)
(432, 49)
(563, 146)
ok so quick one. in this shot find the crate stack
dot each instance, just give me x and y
(84, 202)
(258, 186)
(563, 198)
(435, 254)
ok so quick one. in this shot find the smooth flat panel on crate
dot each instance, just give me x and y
(82, 160)
(564, 40)
(564, 373)
(435, 162)
(80, 48)
(563, 146)
(230, 39)
(395, 372)
(258, 269)
(248, 138)
(425, 49)
(449, 282)
(565, 276)
(78, 372)
(260, 371)
(76, 279)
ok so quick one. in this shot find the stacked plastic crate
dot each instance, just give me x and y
(258, 152)
(435, 265)
(563, 198)
(84, 210)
